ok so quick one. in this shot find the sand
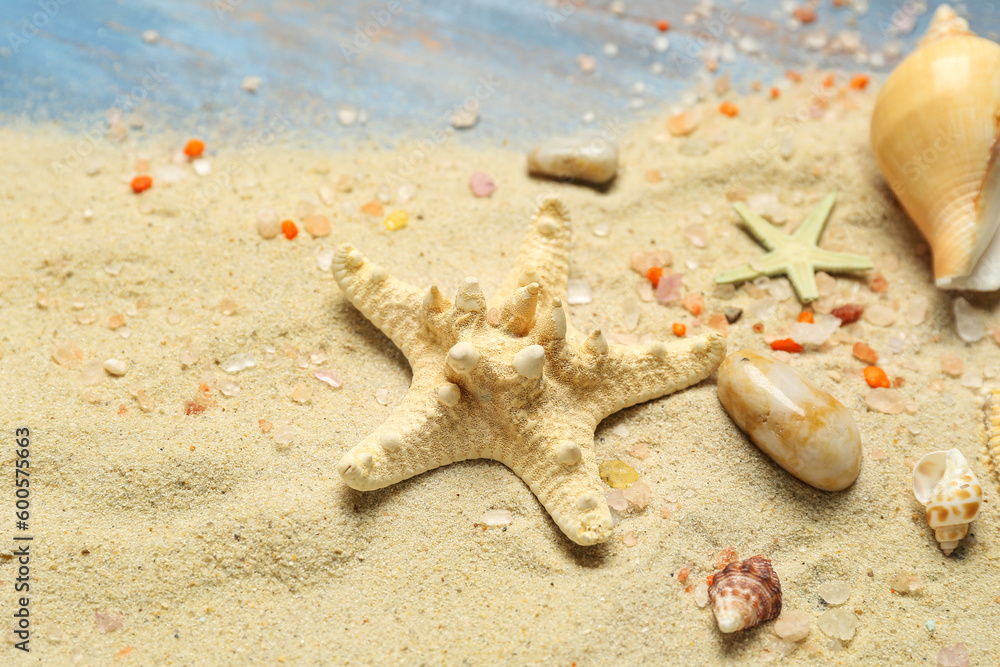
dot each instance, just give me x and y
(213, 543)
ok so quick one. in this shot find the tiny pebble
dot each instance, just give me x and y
(701, 594)
(733, 314)
(952, 365)
(578, 292)
(617, 501)
(328, 377)
(250, 84)
(793, 625)
(638, 495)
(466, 116)
(347, 115)
(834, 592)
(115, 367)
(202, 167)
(697, 235)
(239, 362)
(482, 185)
(886, 401)
(968, 321)
(640, 451)
(497, 518)
(954, 656)
(301, 392)
(284, 434)
(916, 310)
(317, 225)
(838, 623)
(324, 258)
(880, 315)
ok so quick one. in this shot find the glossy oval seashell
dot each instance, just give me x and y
(934, 131)
(802, 428)
(588, 157)
(948, 489)
(745, 594)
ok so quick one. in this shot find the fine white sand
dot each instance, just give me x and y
(216, 544)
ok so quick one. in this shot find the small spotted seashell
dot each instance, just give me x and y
(745, 594)
(949, 490)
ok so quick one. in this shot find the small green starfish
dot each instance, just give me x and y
(797, 256)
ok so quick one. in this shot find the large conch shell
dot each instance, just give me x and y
(934, 131)
(944, 485)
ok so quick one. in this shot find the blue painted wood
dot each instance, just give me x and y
(74, 59)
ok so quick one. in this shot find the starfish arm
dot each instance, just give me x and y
(809, 231)
(544, 255)
(827, 260)
(762, 230)
(558, 463)
(389, 303)
(801, 275)
(738, 275)
(422, 434)
(634, 374)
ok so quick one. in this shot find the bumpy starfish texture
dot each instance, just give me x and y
(797, 256)
(513, 382)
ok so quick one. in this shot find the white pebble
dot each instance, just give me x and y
(347, 115)
(578, 292)
(284, 434)
(838, 623)
(661, 43)
(968, 321)
(880, 315)
(324, 258)
(793, 626)
(834, 592)
(239, 362)
(115, 367)
(228, 386)
(498, 518)
(150, 36)
(202, 167)
(701, 594)
(250, 84)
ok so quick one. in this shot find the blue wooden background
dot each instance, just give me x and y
(71, 60)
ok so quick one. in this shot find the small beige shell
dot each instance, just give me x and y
(745, 594)
(589, 157)
(992, 409)
(934, 131)
(944, 485)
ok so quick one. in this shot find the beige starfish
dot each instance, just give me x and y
(502, 383)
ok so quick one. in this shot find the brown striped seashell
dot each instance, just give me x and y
(951, 494)
(935, 130)
(745, 594)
